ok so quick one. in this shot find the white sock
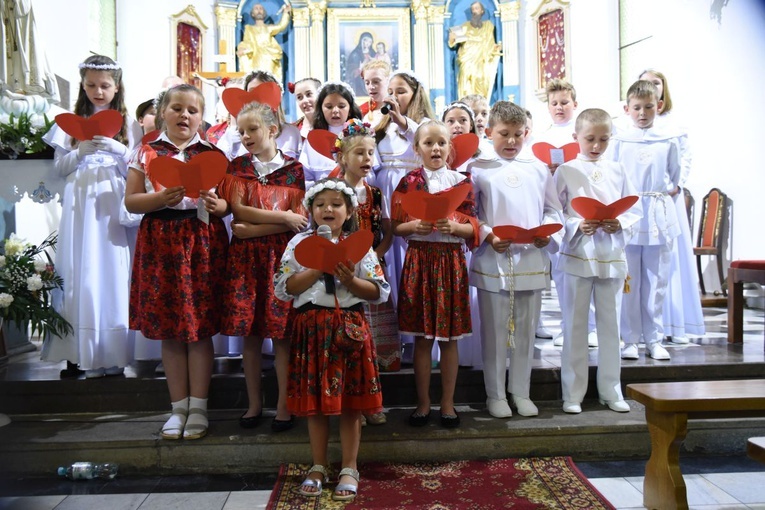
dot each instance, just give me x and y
(178, 418)
(197, 421)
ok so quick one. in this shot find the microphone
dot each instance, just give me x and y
(329, 280)
(385, 108)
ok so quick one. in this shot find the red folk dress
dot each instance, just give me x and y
(250, 307)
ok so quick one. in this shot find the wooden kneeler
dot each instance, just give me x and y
(740, 272)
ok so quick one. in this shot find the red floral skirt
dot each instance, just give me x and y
(250, 306)
(433, 298)
(178, 270)
(325, 375)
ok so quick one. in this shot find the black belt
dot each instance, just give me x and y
(172, 214)
(358, 307)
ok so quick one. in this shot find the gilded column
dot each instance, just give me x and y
(302, 26)
(316, 56)
(511, 67)
(225, 17)
(436, 76)
(420, 42)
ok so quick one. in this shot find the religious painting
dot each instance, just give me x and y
(356, 36)
(553, 55)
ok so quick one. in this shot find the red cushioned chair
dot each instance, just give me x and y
(713, 233)
(739, 272)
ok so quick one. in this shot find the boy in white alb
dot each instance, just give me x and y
(652, 160)
(510, 277)
(593, 262)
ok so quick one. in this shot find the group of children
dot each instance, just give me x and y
(193, 276)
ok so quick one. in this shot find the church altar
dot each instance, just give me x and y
(36, 179)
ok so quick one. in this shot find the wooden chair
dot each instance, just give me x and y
(713, 233)
(740, 272)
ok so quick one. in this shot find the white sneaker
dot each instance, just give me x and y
(679, 339)
(572, 408)
(543, 333)
(630, 352)
(620, 406)
(657, 352)
(592, 339)
(558, 340)
(525, 406)
(499, 408)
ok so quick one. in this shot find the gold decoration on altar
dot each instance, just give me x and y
(367, 3)
(259, 48)
(420, 9)
(510, 11)
(318, 10)
(477, 54)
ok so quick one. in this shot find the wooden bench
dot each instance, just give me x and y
(740, 272)
(668, 406)
(755, 448)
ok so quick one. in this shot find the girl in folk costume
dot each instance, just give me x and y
(265, 191)
(335, 104)
(434, 303)
(408, 104)
(94, 248)
(177, 302)
(355, 153)
(333, 369)
(305, 92)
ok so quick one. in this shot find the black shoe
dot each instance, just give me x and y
(251, 422)
(71, 370)
(450, 421)
(282, 425)
(419, 420)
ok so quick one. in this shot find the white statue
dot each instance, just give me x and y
(23, 68)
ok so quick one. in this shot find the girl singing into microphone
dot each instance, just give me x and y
(333, 367)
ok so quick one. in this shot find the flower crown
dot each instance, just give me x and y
(339, 84)
(353, 127)
(331, 184)
(409, 74)
(100, 67)
(459, 104)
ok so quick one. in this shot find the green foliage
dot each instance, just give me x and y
(20, 136)
(27, 278)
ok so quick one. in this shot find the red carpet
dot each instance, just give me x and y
(535, 483)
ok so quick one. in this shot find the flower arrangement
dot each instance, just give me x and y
(21, 135)
(26, 281)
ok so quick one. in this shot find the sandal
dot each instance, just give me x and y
(346, 487)
(195, 429)
(174, 432)
(312, 482)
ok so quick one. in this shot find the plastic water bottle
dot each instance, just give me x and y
(88, 471)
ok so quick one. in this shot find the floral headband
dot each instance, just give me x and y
(338, 84)
(100, 67)
(334, 185)
(353, 127)
(459, 104)
(251, 76)
(408, 73)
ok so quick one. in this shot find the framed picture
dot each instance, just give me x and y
(356, 36)
(552, 38)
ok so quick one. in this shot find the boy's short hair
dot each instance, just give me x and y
(642, 89)
(557, 85)
(473, 98)
(594, 117)
(377, 64)
(507, 113)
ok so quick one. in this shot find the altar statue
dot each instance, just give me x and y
(259, 49)
(23, 66)
(478, 54)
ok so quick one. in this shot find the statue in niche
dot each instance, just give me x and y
(477, 54)
(259, 49)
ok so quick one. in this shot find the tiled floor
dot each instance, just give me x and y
(712, 483)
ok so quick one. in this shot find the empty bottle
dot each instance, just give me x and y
(88, 471)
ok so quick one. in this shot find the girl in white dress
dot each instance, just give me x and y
(94, 252)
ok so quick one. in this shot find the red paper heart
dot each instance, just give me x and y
(105, 123)
(315, 252)
(464, 147)
(433, 207)
(522, 235)
(322, 141)
(591, 209)
(150, 136)
(202, 172)
(266, 93)
(542, 151)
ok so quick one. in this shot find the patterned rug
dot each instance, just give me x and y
(534, 483)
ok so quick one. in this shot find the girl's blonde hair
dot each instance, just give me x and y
(262, 112)
(419, 107)
(666, 98)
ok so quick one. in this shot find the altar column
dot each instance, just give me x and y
(436, 45)
(511, 62)
(225, 17)
(302, 26)
(317, 56)
(420, 44)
